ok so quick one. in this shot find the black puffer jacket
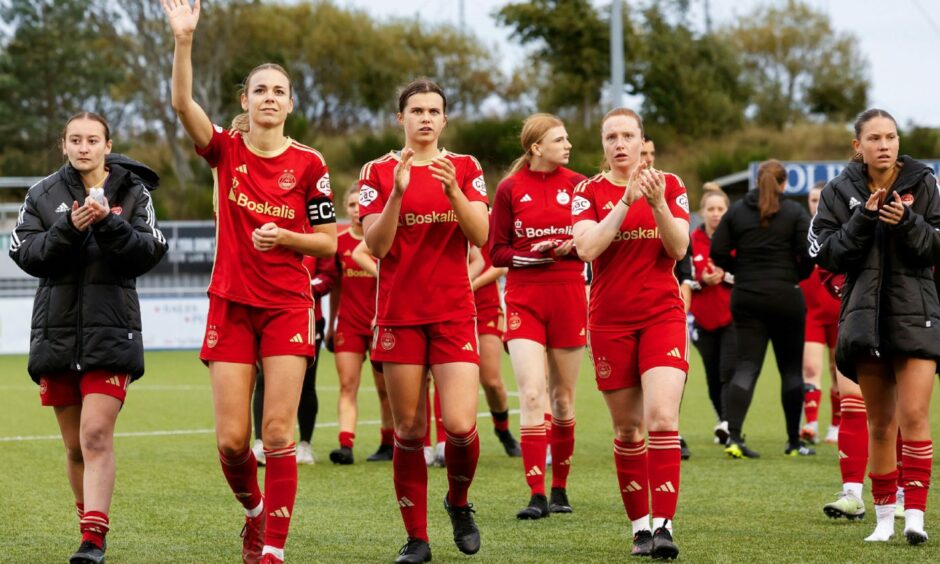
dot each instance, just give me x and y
(763, 259)
(889, 303)
(86, 314)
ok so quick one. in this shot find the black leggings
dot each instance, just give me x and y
(777, 315)
(718, 351)
(309, 403)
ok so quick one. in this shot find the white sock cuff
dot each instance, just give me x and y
(641, 524)
(256, 511)
(279, 552)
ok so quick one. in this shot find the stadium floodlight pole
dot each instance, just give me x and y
(616, 54)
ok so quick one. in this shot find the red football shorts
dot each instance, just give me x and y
(348, 338)
(621, 356)
(554, 315)
(240, 333)
(490, 321)
(444, 342)
(68, 388)
(819, 332)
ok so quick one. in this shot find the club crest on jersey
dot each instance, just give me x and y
(683, 202)
(387, 341)
(323, 185)
(212, 338)
(479, 185)
(603, 367)
(287, 181)
(515, 321)
(563, 198)
(367, 195)
(907, 199)
(579, 205)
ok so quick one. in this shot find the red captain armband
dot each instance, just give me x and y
(833, 283)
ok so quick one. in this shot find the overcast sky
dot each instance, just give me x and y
(900, 39)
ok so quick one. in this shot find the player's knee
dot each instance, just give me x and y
(629, 433)
(881, 430)
(96, 439)
(277, 433)
(73, 453)
(232, 445)
(532, 400)
(662, 419)
(562, 406)
(411, 429)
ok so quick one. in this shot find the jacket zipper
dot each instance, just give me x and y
(78, 323)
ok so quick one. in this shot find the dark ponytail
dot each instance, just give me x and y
(770, 175)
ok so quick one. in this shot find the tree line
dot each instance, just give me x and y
(775, 66)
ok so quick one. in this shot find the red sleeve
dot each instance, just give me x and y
(213, 151)
(370, 198)
(676, 197)
(474, 185)
(582, 205)
(320, 209)
(501, 231)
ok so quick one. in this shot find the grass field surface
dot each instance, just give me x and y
(172, 504)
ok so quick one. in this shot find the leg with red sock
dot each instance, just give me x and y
(562, 452)
(915, 479)
(853, 459)
(410, 475)
(534, 444)
(811, 398)
(884, 489)
(463, 452)
(344, 454)
(664, 460)
(386, 446)
(280, 489)
(630, 460)
(835, 403)
(241, 473)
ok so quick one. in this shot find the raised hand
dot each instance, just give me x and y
(403, 170)
(445, 171)
(653, 187)
(632, 192)
(181, 17)
(81, 216)
(265, 237)
(98, 211)
(544, 246)
(892, 212)
(564, 249)
(874, 201)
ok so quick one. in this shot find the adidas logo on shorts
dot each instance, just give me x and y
(675, 353)
(297, 338)
(666, 488)
(468, 347)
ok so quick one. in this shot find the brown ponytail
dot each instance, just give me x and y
(770, 175)
(534, 128)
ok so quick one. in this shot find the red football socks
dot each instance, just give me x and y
(884, 488)
(633, 477)
(410, 475)
(853, 440)
(562, 450)
(835, 403)
(346, 439)
(533, 442)
(915, 473)
(280, 489)
(388, 436)
(241, 473)
(664, 459)
(500, 420)
(461, 454)
(811, 405)
(94, 527)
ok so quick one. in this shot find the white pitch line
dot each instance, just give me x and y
(172, 432)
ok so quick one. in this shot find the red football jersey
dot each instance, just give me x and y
(357, 297)
(820, 304)
(528, 208)
(423, 278)
(711, 305)
(289, 187)
(487, 296)
(633, 280)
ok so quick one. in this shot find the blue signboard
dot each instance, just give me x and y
(801, 176)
